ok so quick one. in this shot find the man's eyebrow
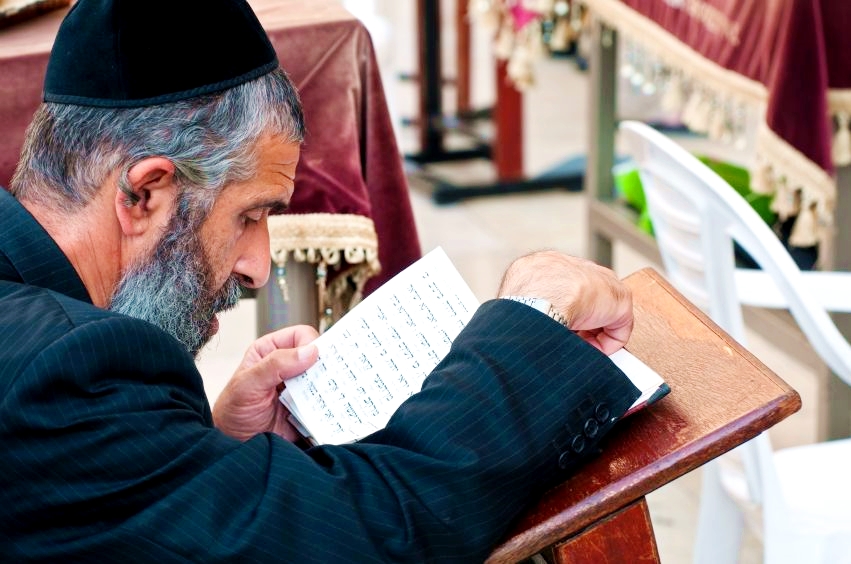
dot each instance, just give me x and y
(275, 207)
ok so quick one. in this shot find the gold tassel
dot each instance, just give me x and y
(761, 180)
(504, 43)
(326, 317)
(717, 123)
(486, 12)
(672, 100)
(690, 109)
(786, 202)
(562, 35)
(804, 232)
(279, 257)
(702, 113)
(520, 68)
(841, 149)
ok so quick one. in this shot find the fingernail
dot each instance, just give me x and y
(306, 352)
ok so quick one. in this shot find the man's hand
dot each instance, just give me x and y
(249, 403)
(596, 305)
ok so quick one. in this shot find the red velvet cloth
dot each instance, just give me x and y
(798, 49)
(350, 161)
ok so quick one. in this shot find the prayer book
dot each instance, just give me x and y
(380, 352)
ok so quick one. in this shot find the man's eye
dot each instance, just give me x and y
(253, 217)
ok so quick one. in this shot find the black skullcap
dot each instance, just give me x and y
(131, 53)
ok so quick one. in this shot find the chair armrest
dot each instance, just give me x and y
(831, 288)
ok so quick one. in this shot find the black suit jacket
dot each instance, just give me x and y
(108, 451)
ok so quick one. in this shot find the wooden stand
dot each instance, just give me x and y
(721, 396)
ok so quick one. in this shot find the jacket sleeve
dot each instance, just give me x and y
(114, 458)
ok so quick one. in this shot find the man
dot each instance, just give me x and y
(138, 210)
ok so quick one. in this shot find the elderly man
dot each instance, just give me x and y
(137, 212)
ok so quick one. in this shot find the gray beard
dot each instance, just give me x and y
(171, 289)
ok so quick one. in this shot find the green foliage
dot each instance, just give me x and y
(629, 189)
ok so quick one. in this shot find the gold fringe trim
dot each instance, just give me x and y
(344, 248)
(839, 101)
(801, 189)
(839, 105)
(674, 53)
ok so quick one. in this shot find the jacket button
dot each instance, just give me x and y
(564, 460)
(578, 444)
(601, 412)
(591, 428)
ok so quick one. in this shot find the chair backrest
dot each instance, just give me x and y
(696, 218)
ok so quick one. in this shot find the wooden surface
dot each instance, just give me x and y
(721, 396)
(626, 536)
(508, 122)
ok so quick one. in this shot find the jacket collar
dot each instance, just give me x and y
(28, 255)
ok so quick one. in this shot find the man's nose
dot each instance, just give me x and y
(254, 265)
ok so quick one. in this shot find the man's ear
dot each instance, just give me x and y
(151, 180)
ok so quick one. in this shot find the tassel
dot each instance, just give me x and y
(519, 69)
(689, 110)
(279, 257)
(504, 44)
(325, 312)
(841, 149)
(486, 12)
(761, 180)
(541, 6)
(824, 228)
(804, 231)
(562, 35)
(672, 99)
(281, 279)
(533, 37)
(785, 203)
(717, 123)
(702, 113)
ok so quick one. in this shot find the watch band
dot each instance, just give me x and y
(542, 305)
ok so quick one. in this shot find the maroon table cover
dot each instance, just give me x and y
(786, 58)
(350, 160)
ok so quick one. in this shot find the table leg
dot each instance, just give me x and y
(599, 182)
(625, 536)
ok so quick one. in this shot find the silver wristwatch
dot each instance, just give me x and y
(542, 305)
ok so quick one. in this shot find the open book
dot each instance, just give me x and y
(379, 353)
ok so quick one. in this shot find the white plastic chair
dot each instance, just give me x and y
(804, 493)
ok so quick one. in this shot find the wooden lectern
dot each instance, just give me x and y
(721, 396)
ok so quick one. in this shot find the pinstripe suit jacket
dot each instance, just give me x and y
(109, 453)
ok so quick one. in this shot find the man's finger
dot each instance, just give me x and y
(280, 365)
(286, 338)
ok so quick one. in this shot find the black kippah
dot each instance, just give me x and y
(131, 53)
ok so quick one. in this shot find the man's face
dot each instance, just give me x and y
(196, 272)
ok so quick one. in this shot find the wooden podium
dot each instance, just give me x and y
(721, 396)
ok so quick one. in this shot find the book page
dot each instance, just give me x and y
(379, 353)
(647, 380)
(367, 367)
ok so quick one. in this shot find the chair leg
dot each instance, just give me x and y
(719, 522)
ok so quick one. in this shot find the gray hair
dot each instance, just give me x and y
(71, 150)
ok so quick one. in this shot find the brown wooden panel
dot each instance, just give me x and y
(462, 81)
(508, 122)
(721, 396)
(626, 536)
